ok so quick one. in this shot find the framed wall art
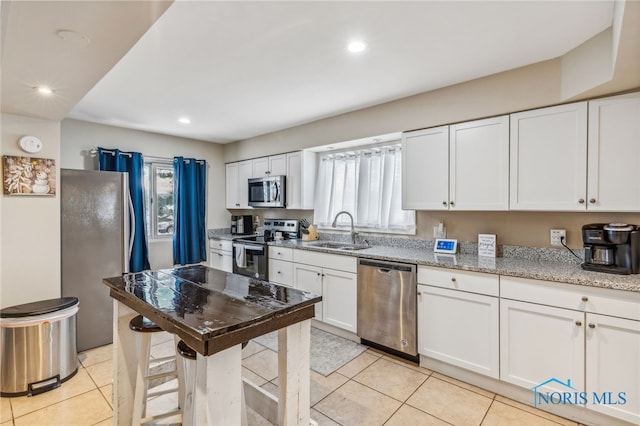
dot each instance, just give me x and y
(28, 176)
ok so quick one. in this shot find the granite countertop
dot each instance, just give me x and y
(211, 310)
(536, 268)
(226, 236)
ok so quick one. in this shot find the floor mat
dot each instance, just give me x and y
(328, 351)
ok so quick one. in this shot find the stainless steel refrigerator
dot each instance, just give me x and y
(95, 245)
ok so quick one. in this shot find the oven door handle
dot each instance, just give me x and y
(249, 247)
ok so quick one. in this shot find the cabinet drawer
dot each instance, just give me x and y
(623, 304)
(222, 260)
(542, 292)
(473, 282)
(225, 245)
(281, 253)
(326, 260)
(281, 272)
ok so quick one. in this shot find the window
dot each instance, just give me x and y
(158, 186)
(368, 184)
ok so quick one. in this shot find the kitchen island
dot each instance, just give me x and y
(214, 312)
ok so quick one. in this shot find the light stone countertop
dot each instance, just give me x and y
(563, 272)
(523, 262)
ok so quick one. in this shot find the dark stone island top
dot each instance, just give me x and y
(211, 310)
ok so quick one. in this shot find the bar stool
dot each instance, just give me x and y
(189, 368)
(146, 328)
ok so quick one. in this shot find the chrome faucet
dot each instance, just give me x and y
(353, 232)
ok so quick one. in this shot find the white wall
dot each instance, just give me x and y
(78, 137)
(30, 224)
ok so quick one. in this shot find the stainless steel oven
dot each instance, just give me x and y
(250, 257)
(250, 254)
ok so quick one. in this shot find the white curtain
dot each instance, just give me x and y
(368, 184)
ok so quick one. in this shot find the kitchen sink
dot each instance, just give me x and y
(339, 246)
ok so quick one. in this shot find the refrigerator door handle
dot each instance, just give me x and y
(129, 224)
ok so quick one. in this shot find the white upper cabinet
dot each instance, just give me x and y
(299, 168)
(479, 165)
(548, 168)
(275, 165)
(237, 191)
(425, 169)
(460, 167)
(301, 180)
(614, 154)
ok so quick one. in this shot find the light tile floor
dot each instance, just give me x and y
(372, 389)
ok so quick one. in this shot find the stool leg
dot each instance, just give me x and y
(140, 398)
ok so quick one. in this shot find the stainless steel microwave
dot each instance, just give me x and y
(267, 191)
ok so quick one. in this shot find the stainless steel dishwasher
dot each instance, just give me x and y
(387, 305)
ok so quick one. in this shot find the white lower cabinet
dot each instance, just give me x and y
(538, 343)
(221, 255)
(557, 332)
(280, 266)
(459, 328)
(340, 297)
(333, 277)
(281, 272)
(458, 318)
(613, 365)
(309, 278)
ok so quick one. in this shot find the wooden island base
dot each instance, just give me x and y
(215, 312)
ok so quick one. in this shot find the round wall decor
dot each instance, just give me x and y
(30, 144)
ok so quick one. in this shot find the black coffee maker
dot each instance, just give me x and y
(241, 225)
(612, 248)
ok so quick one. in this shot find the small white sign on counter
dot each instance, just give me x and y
(487, 245)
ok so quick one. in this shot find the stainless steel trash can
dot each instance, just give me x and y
(38, 346)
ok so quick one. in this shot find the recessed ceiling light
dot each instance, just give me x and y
(356, 46)
(184, 120)
(44, 90)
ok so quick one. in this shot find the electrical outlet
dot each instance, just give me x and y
(557, 236)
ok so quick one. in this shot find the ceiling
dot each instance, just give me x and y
(241, 69)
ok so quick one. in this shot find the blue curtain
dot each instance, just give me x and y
(113, 160)
(189, 197)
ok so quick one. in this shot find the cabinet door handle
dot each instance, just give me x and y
(453, 279)
(592, 200)
(578, 323)
(278, 272)
(592, 325)
(220, 254)
(444, 203)
(581, 200)
(318, 273)
(452, 203)
(237, 204)
(585, 299)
